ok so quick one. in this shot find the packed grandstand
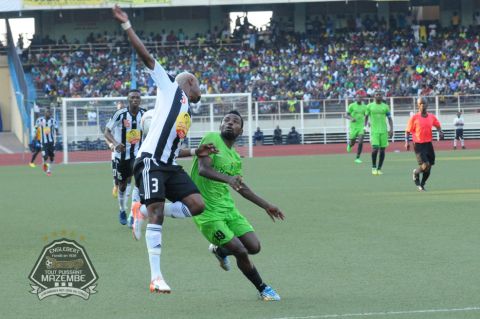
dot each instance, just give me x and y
(336, 57)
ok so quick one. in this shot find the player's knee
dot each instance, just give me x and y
(198, 208)
(195, 204)
(241, 253)
(254, 249)
(122, 186)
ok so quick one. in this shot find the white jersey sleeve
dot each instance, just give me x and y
(114, 120)
(161, 77)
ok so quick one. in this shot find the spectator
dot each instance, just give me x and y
(258, 137)
(293, 137)
(455, 20)
(277, 136)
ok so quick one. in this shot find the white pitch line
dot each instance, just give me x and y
(6, 150)
(386, 313)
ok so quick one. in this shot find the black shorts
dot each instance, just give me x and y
(124, 169)
(424, 153)
(48, 150)
(157, 181)
(459, 133)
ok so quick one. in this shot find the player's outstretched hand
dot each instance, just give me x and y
(119, 14)
(204, 150)
(274, 212)
(236, 182)
(390, 134)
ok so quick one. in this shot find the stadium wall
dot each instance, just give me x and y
(5, 97)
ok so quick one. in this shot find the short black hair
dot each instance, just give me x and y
(236, 113)
(134, 90)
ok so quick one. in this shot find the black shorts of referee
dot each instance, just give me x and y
(424, 153)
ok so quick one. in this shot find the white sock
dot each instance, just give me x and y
(454, 142)
(126, 196)
(128, 190)
(144, 211)
(153, 237)
(49, 167)
(176, 210)
(463, 142)
(135, 194)
(122, 198)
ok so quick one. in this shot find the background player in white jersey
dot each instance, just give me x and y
(458, 122)
(156, 171)
(124, 132)
(36, 144)
(47, 127)
(114, 168)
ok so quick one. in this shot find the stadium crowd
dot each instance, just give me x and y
(335, 58)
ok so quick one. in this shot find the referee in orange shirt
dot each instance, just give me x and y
(420, 127)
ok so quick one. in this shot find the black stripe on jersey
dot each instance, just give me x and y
(174, 148)
(133, 127)
(169, 123)
(124, 135)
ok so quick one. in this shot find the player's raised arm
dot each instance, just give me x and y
(137, 44)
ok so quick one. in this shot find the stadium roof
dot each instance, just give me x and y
(21, 5)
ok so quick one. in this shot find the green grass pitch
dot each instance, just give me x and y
(352, 245)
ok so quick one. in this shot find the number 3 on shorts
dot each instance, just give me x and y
(154, 185)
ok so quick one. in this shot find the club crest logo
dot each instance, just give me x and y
(183, 125)
(63, 269)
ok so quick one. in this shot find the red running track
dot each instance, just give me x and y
(258, 151)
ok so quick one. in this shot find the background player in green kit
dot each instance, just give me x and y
(221, 223)
(356, 114)
(378, 112)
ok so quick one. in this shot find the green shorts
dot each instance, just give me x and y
(356, 131)
(221, 231)
(379, 139)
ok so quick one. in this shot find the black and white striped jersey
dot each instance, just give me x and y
(127, 130)
(170, 122)
(46, 129)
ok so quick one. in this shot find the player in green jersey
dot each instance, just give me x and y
(228, 231)
(378, 112)
(356, 114)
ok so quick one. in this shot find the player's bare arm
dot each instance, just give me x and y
(122, 17)
(407, 140)
(390, 123)
(440, 132)
(112, 143)
(349, 117)
(271, 210)
(205, 169)
(202, 151)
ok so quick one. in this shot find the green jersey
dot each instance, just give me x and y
(378, 114)
(216, 195)
(357, 112)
